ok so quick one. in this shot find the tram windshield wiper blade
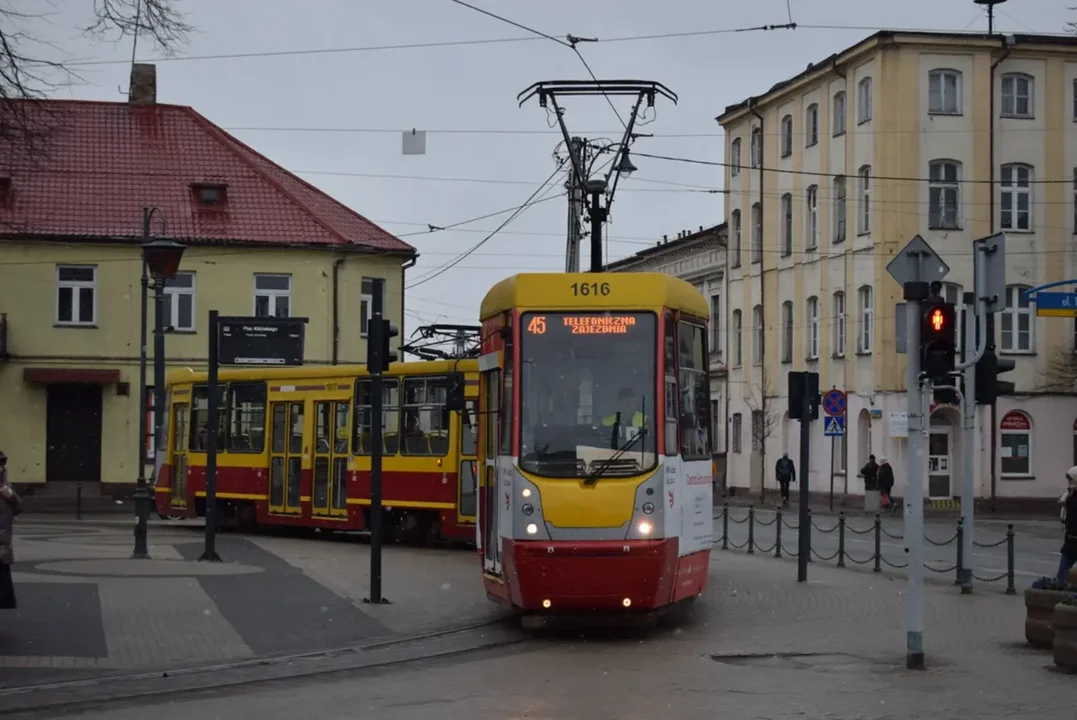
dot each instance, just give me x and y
(594, 476)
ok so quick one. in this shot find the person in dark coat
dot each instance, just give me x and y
(870, 473)
(786, 473)
(10, 506)
(885, 478)
(1069, 520)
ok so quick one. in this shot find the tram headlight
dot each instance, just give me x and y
(645, 527)
(648, 508)
(527, 509)
(526, 492)
(532, 528)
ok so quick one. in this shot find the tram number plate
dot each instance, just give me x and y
(586, 289)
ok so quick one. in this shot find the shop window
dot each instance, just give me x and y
(1015, 444)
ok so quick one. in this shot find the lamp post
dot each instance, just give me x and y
(160, 260)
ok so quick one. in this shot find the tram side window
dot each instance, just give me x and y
(426, 421)
(247, 410)
(469, 429)
(492, 389)
(670, 350)
(695, 404)
(390, 416)
(507, 396)
(200, 418)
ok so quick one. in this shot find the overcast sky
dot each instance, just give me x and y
(356, 93)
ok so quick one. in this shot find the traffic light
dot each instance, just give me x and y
(379, 352)
(938, 339)
(988, 386)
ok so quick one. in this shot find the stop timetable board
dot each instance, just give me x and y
(261, 341)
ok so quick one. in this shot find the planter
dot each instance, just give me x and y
(1039, 622)
(1065, 642)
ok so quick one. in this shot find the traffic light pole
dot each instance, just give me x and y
(968, 409)
(915, 293)
(375, 340)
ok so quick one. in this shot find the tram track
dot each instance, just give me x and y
(164, 684)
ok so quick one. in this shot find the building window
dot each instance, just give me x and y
(787, 332)
(839, 324)
(716, 325)
(863, 101)
(787, 225)
(734, 157)
(839, 450)
(735, 222)
(757, 147)
(812, 240)
(735, 432)
(757, 335)
(839, 208)
(1015, 206)
(839, 114)
(757, 233)
(366, 304)
(944, 92)
(864, 216)
(1017, 95)
(867, 319)
(813, 328)
(76, 294)
(944, 194)
(1016, 321)
(1015, 444)
(787, 136)
(738, 338)
(179, 302)
(811, 126)
(272, 295)
(716, 427)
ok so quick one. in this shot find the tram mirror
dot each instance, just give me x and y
(454, 392)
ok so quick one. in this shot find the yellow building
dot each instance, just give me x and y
(829, 174)
(260, 241)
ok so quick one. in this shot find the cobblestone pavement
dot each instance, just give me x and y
(849, 626)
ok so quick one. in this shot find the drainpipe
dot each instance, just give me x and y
(728, 350)
(845, 281)
(336, 310)
(762, 291)
(1006, 48)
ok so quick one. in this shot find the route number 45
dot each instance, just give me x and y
(585, 289)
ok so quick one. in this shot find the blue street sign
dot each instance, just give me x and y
(834, 402)
(1056, 304)
(834, 426)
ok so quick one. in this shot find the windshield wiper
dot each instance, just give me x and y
(594, 476)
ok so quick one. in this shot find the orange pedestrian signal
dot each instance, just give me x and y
(938, 320)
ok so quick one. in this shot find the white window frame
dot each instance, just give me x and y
(1011, 315)
(735, 221)
(866, 301)
(787, 331)
(738, 338)
(787, 224)
(1015, 185)
(839, 323)
(813, 328)
(839, 113)
(941, 101)
(736, 431)
(757, 233)
(811, 126)
(812, 230)
(1009, 89)
(716, 324)
(1003, 433)
(734, 157)
(864, 216)
(864, 101)
(272, 294)
(940, 190)
(757, 147)
(757, 335)
(840, 203)
(787, 136)
(174, 292)
(75, 286)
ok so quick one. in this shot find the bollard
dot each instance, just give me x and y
(878, 543)
(78, 501)
(1010, 589)
(808, 530)
(778, 534)
(725, 526)
(960, 549)
(751, 529)
(841, 539)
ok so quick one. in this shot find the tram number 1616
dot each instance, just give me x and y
(590, 288)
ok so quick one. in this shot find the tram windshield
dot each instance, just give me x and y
(587, 393)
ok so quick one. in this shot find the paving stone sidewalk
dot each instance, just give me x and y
(86, 608)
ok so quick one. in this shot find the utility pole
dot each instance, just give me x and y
(968, 411)
(577, 149)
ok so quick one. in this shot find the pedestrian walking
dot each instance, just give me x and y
(10, 506)
(1068, 501)
(885, 478)
(870, 473)
(786, 473)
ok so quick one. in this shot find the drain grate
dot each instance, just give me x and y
(818, 662)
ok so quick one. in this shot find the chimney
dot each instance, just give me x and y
(143, 90)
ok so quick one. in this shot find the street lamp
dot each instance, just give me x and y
(625, 166)
(160, 260)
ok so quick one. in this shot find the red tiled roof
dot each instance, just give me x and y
(105, 161)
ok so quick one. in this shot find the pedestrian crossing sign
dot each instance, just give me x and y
(834, 426)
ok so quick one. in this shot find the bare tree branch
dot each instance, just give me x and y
(1060, 375)
(765, 415)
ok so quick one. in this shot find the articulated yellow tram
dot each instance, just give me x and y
(595, 462)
